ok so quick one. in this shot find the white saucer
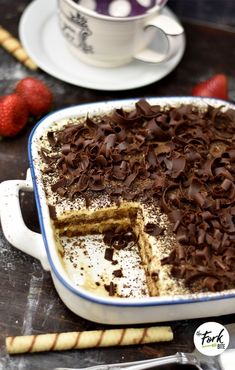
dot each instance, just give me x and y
(43, 41)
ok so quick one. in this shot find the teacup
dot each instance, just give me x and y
(109, 34)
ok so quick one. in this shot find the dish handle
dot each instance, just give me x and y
(13, 226)
(172, 31)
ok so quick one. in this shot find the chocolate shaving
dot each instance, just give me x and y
(151, 158)
(108, 255)
(66, 148)
(111, 288)
(59, 184)
(96, 183)
(61, 191)
(153, 131)
(129, 180)
(108, 237)
(119, 240)
(51, 138)
(46, 157)
(153, 229)
(83, 182)
(118, 273)
(52, 212)
(145, 109)
(175, 166)
(120, 171)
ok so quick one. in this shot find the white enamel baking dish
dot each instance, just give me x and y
(108, 310)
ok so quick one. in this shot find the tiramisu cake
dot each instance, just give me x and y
(142, 201)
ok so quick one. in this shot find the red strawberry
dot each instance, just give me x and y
(37, 95)
(214, 87)
(13, 114)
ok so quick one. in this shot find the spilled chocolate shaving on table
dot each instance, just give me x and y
(181, 158)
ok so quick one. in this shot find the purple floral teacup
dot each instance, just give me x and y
(111, 33)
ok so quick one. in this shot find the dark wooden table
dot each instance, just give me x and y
(28, 302)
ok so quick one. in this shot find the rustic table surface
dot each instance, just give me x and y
(29, 303)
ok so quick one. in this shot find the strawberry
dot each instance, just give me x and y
(214, 87)
(37, 95)
(13, 114)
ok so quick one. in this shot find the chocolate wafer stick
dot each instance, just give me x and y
(14, 47)
(87, 339)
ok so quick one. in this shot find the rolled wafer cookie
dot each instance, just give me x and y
(87, 339)
(14, 47)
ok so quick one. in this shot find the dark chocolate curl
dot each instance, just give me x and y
(61, 191)
(120, 172)
(155, 132)
(129, 180)
(151, 158)
(83, 182)
(59, 184)
(101, 161)
(46, 157)
(176, 167)
(226, 184)
(92, 125)
(51, 138)
(52, 212)
(66, 148)
(97, 183)
(194, 188)
(153, 229)
(119, 117)
(222, 172)
(84, 163)
(108, 144)
(145, 109)
(212, 284)
(165, 198)
(175, 217)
